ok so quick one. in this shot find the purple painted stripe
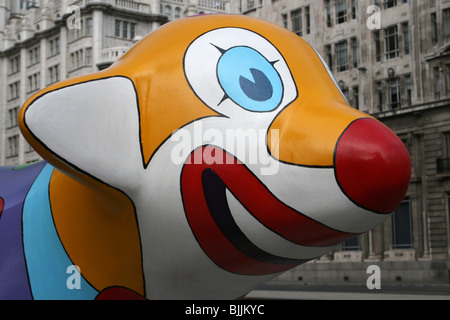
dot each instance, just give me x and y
(14, 186)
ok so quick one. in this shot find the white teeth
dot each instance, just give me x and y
(266, 239)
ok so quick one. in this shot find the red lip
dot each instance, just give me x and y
(204, 181)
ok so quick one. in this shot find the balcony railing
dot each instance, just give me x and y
(443, 165)
(124, 4)
(216, 5)
(112, 54)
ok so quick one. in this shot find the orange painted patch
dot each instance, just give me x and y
(99, 234)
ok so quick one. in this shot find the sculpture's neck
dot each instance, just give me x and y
(98, 228)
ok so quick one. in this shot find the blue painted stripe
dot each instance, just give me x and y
(47, 261)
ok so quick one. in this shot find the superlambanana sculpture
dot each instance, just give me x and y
(214, 155)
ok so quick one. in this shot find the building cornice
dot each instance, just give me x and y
(107, 7)
(60, 22)
(414, 109)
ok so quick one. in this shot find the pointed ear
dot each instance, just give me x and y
(91, 126)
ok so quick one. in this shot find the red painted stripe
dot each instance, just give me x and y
(258, 200)
(1, 206)
(119, 293)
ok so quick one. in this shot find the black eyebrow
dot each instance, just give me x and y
(222, 51)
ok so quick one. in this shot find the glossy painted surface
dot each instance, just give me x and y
(215, 154)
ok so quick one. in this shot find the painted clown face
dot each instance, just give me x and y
(234, 149)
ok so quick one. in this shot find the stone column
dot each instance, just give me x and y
(22, 95)
(97, 37)
(63, 52)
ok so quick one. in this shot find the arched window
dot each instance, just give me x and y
(177, 14)
(168, 11)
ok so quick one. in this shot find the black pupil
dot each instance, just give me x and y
(258, 90)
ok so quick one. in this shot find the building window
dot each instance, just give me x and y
(284, 17)
(53, 47)
(408, 90)
(14, 65)
(53, 74)
(377, 46)
(354, 42)
(351, 245)
(447, 144)
(168, 9)
(405, 29)
(341, 56)
(353, 9)
(296, 21)
(117, 28)
(448, 206)
(329, 55)
(390, 3)
(446, 17)
(89, 27)
(124, 29)
(341, 11)
(13, 117)
(394, 93)
(76, 60)
(447, 67)
(328, 10)
(33, 82)
(13, 146)
(14, 90)
(133, 29)
(177, 14)
(434, 30)
(308, 20)
(379, 89)
(75, 34)
(437, 82)
(34, 55)
(443, 163)
(88, 58)
(391, 42)
(402, 226)
(27, 4)
(355, 103)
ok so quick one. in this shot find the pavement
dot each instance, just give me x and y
(280, 290)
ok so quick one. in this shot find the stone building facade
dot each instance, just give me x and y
(391, 59)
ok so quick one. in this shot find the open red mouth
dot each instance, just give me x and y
(206, 175)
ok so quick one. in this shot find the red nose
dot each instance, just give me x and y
(373, 166)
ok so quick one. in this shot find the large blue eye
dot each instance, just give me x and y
(249, 79)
